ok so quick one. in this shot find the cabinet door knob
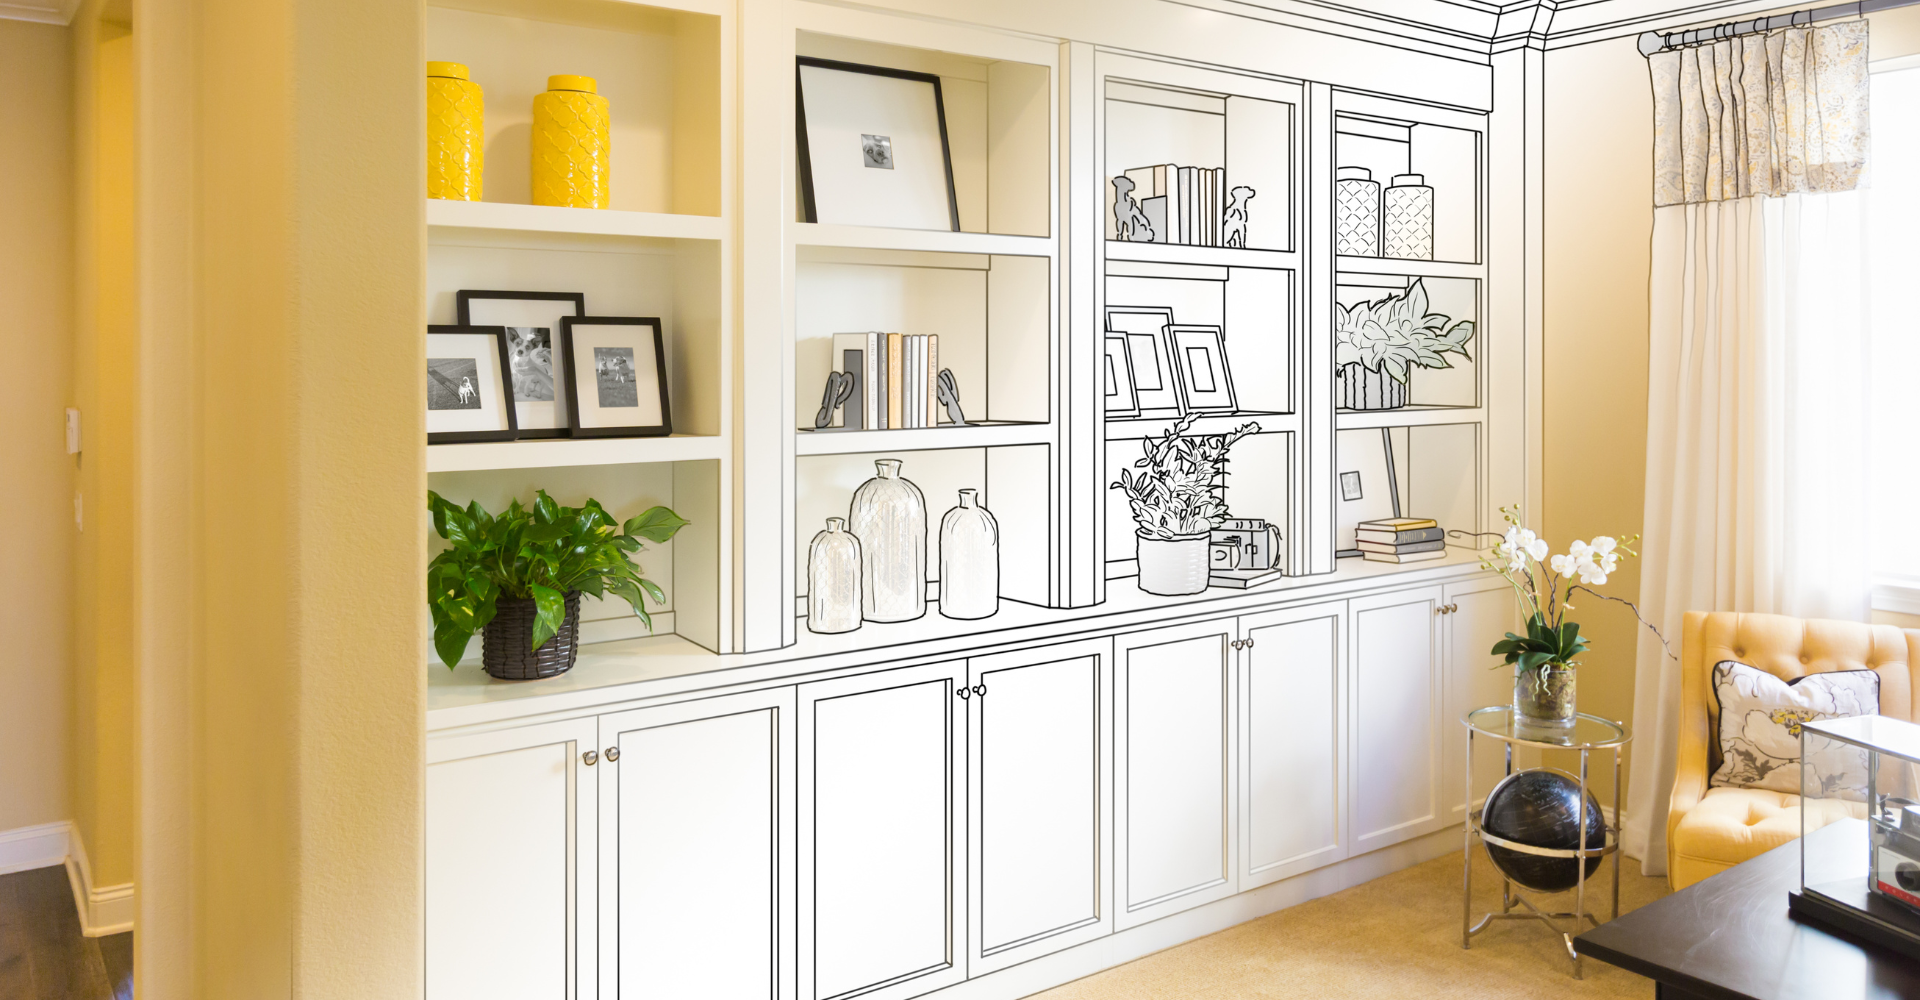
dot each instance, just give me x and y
(980, 689)
(613, 753)
(1246, 643)
(590, 758)
(963, 693)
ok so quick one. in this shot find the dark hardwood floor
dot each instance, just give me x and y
(43, 955)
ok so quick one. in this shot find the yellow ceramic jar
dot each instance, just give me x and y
(570, 144)
(456, 133)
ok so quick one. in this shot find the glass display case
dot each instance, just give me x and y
(1860, 829)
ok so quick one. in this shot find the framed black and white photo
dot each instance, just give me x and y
(873, 147)
(1118, 376)
(616, 375)
(532, 320)
(1200, 356)
(1156, 386)
(468, 385)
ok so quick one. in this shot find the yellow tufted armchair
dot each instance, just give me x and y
(1712, 829)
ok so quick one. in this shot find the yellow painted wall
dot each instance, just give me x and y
(36, 502)
(106, 362)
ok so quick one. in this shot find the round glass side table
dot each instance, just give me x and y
(1588, 734)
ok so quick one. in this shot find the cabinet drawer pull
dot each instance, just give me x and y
(590, 758)
(612, 754)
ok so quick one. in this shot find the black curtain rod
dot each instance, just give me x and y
(1657, 41)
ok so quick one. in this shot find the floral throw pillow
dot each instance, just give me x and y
(1760, 717)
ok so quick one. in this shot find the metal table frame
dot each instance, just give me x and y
(1509, 896)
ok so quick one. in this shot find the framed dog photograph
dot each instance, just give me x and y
(1156, 385)
(532, 320)
(1200, 356)
(468, 385)
(873, 147)
(616, 370)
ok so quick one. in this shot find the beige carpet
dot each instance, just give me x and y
(1395, 937)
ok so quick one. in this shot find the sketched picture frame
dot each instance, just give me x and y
(468, 385)
(873, 148)
(1156, 385)
(616, 376)
(539, 381)
(1200, 357)
(1118, 378)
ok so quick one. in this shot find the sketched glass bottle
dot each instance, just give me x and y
(890, 518)
(833, 579)
(969, 560)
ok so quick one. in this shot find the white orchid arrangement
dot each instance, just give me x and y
(1545, 585)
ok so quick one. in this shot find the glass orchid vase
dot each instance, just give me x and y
(889, 517)
(1543, 698)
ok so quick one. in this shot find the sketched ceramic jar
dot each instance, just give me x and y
(1407, 218)
(1356, 210)
(1175, 566)
(456, 133)
(833, 579)
(570, 144)
(969, 560)
(889, 518)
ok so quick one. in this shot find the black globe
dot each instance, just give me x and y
(1541, 808)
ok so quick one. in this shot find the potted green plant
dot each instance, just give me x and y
(1378, 344)
(1177, 498)
(517, 578)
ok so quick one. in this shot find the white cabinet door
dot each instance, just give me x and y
(696, 814)
(1038, 720)
(1395, 691)
(510, 864)
(1174, 804)
(1479, 614)
(882, 863)
(1292, 741)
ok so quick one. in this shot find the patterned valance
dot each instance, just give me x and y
(1764, 114)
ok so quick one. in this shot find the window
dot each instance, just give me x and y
(1893, 254)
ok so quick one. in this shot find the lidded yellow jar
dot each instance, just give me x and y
(570, 144)
(456, 133)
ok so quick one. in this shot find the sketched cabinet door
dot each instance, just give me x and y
(1478, 614)
(882, 833)
(1038, 724)
(1174, 809)
(510, 864)
(1292, 741)
(1394, 688)
(695, 808)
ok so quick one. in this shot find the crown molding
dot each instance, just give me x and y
(1578, 22)
(58, 12)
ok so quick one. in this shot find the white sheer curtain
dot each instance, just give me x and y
(1756, 490)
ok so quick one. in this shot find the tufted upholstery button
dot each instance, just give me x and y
(1740, 653)
(1804, 658)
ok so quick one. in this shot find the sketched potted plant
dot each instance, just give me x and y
(1378, 344)
(1177, 498)
(517, 578)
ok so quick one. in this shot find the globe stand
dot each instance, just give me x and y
(1589, 733)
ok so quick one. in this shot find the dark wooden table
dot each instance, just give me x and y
(1731, 938)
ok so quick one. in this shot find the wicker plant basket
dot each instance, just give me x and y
(506, 644)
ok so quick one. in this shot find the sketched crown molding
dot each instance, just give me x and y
(48, 12)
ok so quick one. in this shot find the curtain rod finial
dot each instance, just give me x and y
(1651, 42)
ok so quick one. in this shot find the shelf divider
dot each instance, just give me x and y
(554, 452)
(845, 442)
(581, 221)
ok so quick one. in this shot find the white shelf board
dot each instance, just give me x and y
(556, 452)
(581, 221)
(843, 442)
(1173, 253)
(1407, 416)
(1398, 267)
(820, 234)
(1135, 428)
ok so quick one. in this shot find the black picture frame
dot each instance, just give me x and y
(505, 375)
(809, 208)
(570, 332)
(463, 300)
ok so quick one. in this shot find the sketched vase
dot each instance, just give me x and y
(889, 517)
(969, 560)
(833, 579)
(1363, 388)
(570, 144)
(1407, 218)
(1356, 211)
(456, 133)
(1172, 567)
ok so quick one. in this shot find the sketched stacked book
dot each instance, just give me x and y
(1183, 205)
(894, 380)
(1401, 540)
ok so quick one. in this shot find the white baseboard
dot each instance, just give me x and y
(104, 909)
(30, 847)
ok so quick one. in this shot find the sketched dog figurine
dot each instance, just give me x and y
(1237, 216)
(1129, 222)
